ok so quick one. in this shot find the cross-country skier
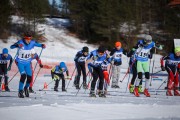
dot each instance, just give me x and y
(23, 61)
(104, 67)
(142, 54)
(172, 66)
(4, 58)
(116, 54)
(80, 59)
(57, 74)
(133, 70)
(97, 57)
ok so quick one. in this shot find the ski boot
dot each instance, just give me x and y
(20, 94)
(136, 92)
(77, 87)
(7, 89)
(140, 89)
(56, 89)
(176, 92)
(92, 94)
(169, 93)
(131, 88)
(31, 90)
(146, 93)
(85, 86)
(26, 91)
(64, 90)
(101, 94)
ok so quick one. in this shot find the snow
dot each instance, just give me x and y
(48, 104)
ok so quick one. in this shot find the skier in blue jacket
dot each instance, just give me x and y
(23, 61)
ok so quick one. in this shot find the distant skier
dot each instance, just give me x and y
(4, 58)
(23, 61)
(97, 57)
(172, 66)
(116, 54)
(57, 74)
(142, 56)
(80, 59)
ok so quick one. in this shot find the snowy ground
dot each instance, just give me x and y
(47, 104)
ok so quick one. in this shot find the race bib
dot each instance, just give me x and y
(24, 54)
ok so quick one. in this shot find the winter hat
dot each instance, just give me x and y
(62, 65)
(177, 49)
(5, 51)
(85, 49)
(27, 35)
(118, 44)
(101, 49)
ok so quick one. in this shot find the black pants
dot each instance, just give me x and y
(134, 72)
(61, 76)
(80, 67)
(3, 72)
(97, 73)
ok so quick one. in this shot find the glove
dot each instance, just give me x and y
(56, 77)
(9, 68)
(20, 45)
(43, 46)
(163, 68)
(40, 65)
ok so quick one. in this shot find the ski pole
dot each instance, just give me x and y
(125, 75)
(128, 82)
(71, 78)
(81, 85)
(90, 79)
(12, 63)
(36, 65)
(12, 77)
(152, 68)
(36, 75)
(162, 84)
(110, 72)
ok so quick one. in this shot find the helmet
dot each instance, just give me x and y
(62, 65)
(101, 49)
(177, 49)
(148, 39)
(85, 49)
(5, 51)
